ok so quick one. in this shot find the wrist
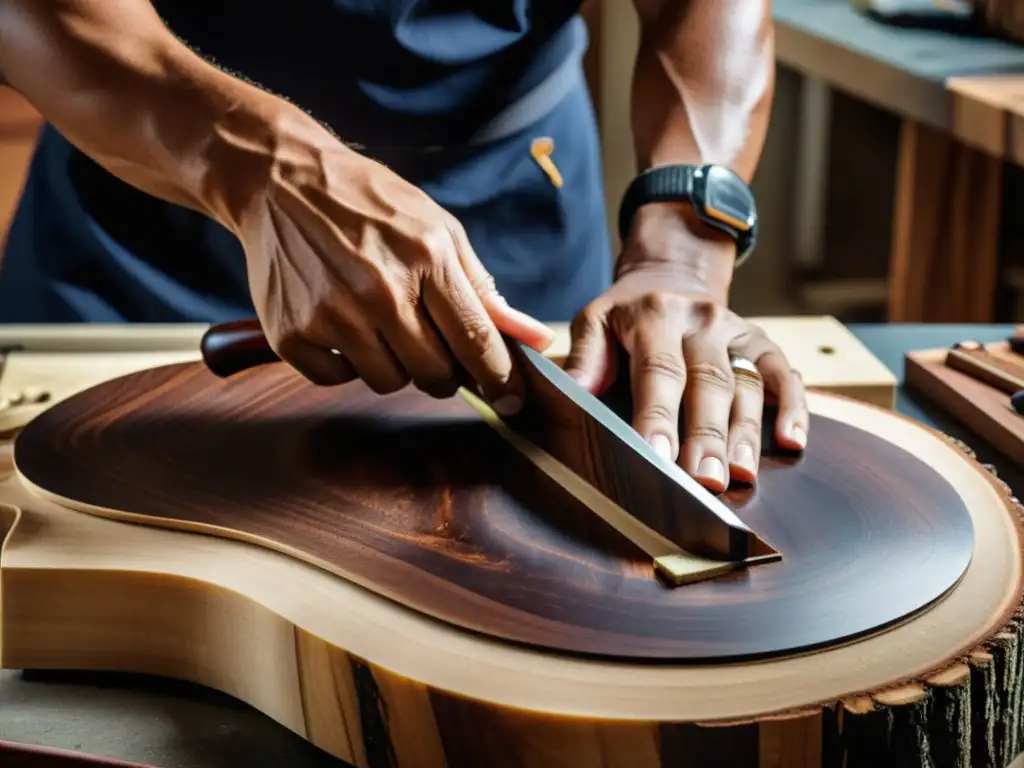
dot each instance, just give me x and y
(670, 238)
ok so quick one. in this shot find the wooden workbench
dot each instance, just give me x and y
(961, 102)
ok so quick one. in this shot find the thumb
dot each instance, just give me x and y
(591, 360)
(509, 321)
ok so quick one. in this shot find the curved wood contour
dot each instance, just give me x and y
(582, 432)
(377, 684)
(418, 500)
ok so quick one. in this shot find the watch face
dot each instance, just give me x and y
(727, 199)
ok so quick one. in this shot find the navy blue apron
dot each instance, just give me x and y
(451, 100)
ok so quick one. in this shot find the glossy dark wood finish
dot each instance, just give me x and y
(423, 502)
(581, 432)
(14, 755)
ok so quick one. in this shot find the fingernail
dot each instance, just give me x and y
(662, 446)
(508, 405)
(711, 469)
(798, 436)
(743, 457)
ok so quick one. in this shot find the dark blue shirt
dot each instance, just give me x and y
(414, 82)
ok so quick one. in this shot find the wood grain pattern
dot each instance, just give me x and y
(383, 687)
(982, 407)
(580, 431)
(417, 500)
(944, 257)
(379, 685)
(988, 113)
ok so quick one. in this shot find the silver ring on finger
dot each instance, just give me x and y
(742, 366)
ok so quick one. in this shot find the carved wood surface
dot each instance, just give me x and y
(380, 686)
(420, 501)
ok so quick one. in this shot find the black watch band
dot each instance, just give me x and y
(719, 197)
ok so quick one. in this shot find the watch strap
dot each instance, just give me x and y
(664, 184)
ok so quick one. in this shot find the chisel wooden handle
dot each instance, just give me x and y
(230, 348)
(973, 359)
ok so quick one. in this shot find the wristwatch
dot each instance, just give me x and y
(719, 197)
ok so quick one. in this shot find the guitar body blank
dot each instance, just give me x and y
(506, 637)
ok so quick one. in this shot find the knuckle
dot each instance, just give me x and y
(747, 426)
(749, 382)
(435, 241)
(587, 319)
(713, 375)
(707, 315)
(484, 284)
(660, 303)
(662, 364)
(657, 413)
(478, 341)
(709, 432)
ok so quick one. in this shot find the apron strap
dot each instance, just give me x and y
(534, 105)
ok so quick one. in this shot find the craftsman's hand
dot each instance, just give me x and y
(356, 272)
(680, 339)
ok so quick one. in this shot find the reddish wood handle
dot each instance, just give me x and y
(230, 348)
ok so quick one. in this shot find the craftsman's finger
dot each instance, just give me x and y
(421, 352)
(657, 380)
(591, 361)
(745, 425)
(321, 366)
(456, 306)
(786, 384)
(507, 319)
(364, 348)
(708, 406)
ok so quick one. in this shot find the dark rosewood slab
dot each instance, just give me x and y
(580, 431)
(420, 500)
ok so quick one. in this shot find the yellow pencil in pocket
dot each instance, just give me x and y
(541, 149)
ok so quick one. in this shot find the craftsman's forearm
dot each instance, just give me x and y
(702, 92)
(703, 82)
(125, 91)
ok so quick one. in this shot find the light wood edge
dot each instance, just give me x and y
(14, 418)
(988, 114)
(40, 575)
(86, 338)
